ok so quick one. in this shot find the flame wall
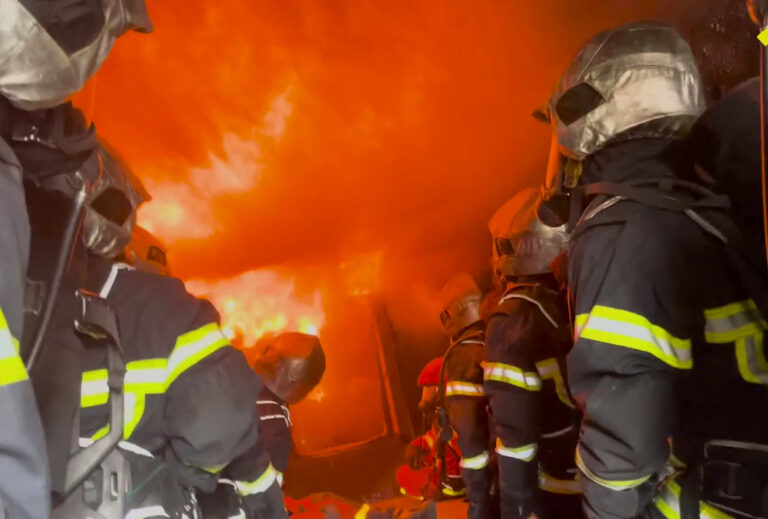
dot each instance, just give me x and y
(338, 147)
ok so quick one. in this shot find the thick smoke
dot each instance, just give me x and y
(318, 135)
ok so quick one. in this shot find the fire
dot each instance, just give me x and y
(260, 302)
(186, 210)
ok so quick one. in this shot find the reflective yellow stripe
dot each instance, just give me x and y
(612, 484)
(550, 368)
(668, 503)
(215, 469)
(463, 389)
(448, 491)
(522, 453)
(509, 374)
(12, 371)
(559, 486)
(750, 357)
(730, 322)
(151, 376)
(94, 389)
(192, 347)
(259, 485)
(100, 433)
(476, 462)
(629, 330)
(740, 323)
(12, 368)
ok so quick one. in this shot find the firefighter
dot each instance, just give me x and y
(668, 355)
(432, 471)
(188, 393)
(725, 143)
(291, 365)
(461, 395)
(45, 59)
(528, 336)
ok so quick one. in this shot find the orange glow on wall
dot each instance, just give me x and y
(305, 155)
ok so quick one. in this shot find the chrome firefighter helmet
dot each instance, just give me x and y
(290, 364)
(49, 49)
(460, 300)
(638, 80)
(110, 213)
(522, 245)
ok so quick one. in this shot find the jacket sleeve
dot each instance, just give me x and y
(468, 416)
(209, 415)
(258, 484)
(630, 346)
(24, 481)
(275, 431)
(513, 387)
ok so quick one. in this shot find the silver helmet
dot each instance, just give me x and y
(522, 245)
(110, 213)
(639, 80)
(460, 300)
(48, 50)
(290, 364)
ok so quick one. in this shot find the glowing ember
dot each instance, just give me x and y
(261, 302)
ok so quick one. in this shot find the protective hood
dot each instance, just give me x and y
(639, 80)
(110, 213)
(460, 300)
(522, 245)
(48, 50)
(290, 364)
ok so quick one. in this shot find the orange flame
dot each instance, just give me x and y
(260, 302)
(182, 210)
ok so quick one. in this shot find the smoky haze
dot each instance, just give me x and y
(403, 124)
(370, 139)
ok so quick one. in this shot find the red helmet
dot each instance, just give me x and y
(430, 375)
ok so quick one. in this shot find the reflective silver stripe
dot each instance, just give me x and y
(275, 417)
(550, 369)
(94, 387)
(522, 453)
(476, 462)
(509, 374)
(182, 352)
(557, 433)
(128, 446)
(463, 389)
(740, 323)
(147, 512)
(514, 295)
(618, 327)
(667, 502)
(107, 287)
(260, 485)
(730, 322)
(240, 514)
(750, 358)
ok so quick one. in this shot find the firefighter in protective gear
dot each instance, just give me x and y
(431, 472)
(668, 338)
(461, 395)
(291, 365)
(527, 337)
(725, 142)
(24, 482)
(188, 394)
(49, 50)
(45, 58)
